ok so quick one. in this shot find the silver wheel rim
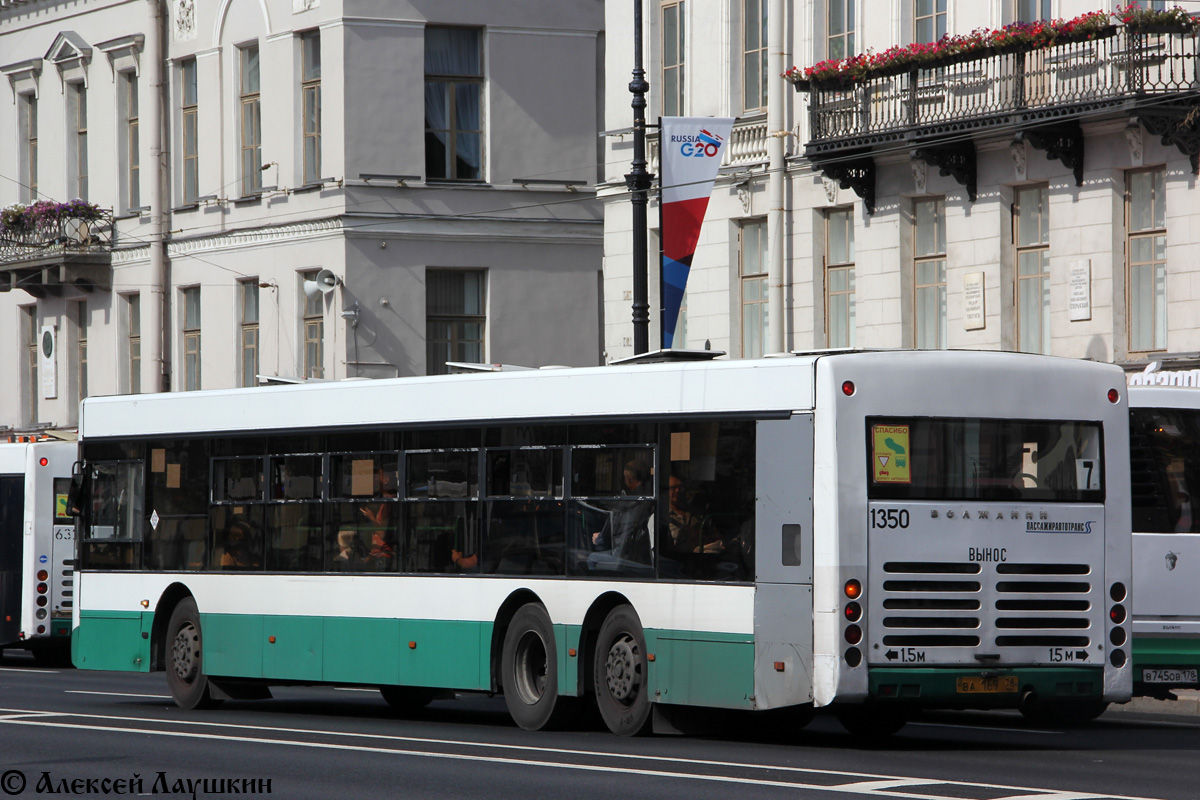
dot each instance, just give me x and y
(621, 669)
(185, 652)
(530, 667)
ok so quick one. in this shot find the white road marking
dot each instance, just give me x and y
(120, 694)
(354, 689)
(40, 671)
(859, 787)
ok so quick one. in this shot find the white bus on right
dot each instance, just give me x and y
(1164, 452)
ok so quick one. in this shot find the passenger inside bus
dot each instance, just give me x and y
(239, 551)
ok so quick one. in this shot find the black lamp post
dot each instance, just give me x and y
(638, 181)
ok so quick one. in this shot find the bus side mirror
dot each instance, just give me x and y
(75, 497)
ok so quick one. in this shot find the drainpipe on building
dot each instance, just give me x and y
(776, 174)
(154, 310)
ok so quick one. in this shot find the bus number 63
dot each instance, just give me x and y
(889, 517)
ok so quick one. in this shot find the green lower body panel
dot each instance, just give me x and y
(685, 667)
(1173, 660)
(711, 670)
(113, 640)
(1151, 651)
(940, 688)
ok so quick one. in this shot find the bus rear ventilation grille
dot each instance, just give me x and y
(931, 622)
(1053, 604)
(930, 640)
(930, 568)
(1043, 623)
(1043, 587)
(1043, 569)
(931, 604)
(931, 586)
(1043, 641)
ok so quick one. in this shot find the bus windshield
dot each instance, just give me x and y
(921, 458)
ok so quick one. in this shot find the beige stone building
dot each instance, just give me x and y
(1017, 199)
(413, 164)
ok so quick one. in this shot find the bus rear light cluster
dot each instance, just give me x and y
(42, 575)
(1113, 395)
(852, 611)
(41, 601)
(1117, 614)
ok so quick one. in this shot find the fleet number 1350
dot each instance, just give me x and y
(889, 517)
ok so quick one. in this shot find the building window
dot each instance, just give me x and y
(133, 347)
(1033, 10)
(839, 277)
(753, 271)
(129, 100)
(191, 339)
(1031, 223)
(754, 54)
(81, 340)
(249, 312)
(673, 24)
(453, 104)
(840, 24)
(191, 143)
(929, 234)
(33, 358)
(251, 122)
(1146, 246)
(310, 88)
(78, 120)
(28, 113)
(1150, 5)
(930, 20)
(454, 317)
(314, 330)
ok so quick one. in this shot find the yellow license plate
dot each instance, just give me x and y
(974, 685)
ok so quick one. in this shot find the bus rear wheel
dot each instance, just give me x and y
(621, 677)
(529, 669)
(185, 667)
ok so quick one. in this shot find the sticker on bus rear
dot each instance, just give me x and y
(890, 454)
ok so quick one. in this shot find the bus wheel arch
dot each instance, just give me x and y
(167, 601)
(185, 658)
(621, 677)
(504, 616)
(529, 670)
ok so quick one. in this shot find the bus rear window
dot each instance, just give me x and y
(921, 458)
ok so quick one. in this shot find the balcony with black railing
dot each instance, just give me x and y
(47, 247)
(937, 108)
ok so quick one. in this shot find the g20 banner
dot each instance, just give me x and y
(691, 152)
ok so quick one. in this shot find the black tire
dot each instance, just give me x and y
(872, 722)
(407, 699)
(529, 670)
(621, 678)
(185, 658)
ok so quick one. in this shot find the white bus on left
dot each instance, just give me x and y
(37, 547)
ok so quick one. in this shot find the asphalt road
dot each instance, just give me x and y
(60, 729)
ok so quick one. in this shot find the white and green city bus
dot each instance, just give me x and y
(878, 532)
(37, 547)
(1164, 472)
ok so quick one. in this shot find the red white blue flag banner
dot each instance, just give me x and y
(691, 152)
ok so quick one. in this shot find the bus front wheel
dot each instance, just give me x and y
(621, 679)
(185, 669)
(529, 669)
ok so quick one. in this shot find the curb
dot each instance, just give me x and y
(1187, 702)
